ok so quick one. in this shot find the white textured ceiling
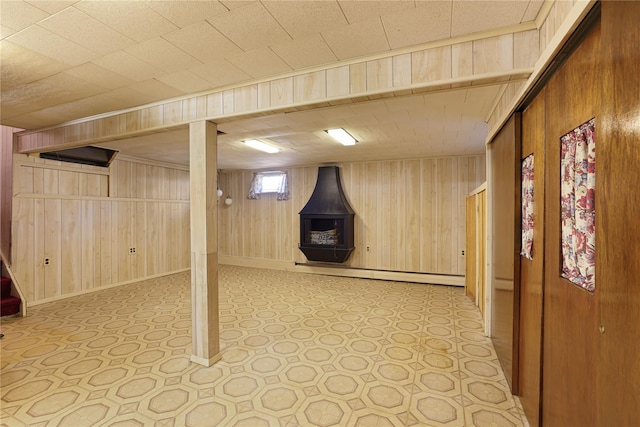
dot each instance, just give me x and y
(64, 60)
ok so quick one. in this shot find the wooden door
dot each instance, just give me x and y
(570, 312)
(617, 213)
(504, 152)
(471, 254)
(532, 270)
(482, 251)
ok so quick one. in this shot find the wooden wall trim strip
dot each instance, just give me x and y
(398, 276)
(101, 171)
(97, 199)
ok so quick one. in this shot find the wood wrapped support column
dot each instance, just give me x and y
(204, 243)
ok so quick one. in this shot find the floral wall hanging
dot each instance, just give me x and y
(527, 207)
(577, 204)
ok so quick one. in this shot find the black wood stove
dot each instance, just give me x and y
(326, 221)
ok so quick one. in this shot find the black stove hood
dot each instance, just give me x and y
(328, 197)
(326, 221)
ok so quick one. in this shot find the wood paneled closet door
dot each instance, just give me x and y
(471, 254)
(504, 195)
(532, 270)
(617, 217)
(570, 312)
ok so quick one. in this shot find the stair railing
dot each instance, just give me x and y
(15, 284)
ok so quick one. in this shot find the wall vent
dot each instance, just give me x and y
(96, 156)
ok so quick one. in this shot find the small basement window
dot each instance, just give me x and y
(269, 182)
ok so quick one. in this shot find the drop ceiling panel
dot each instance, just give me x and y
(405, 103)
(5, 32)
(356, 11)
(370, 108)
(474, 16)
(532, 10)
(203, 42)
(129, 66)
(304, 18)
(163, 55)
(220, 73)
(250, 27)
(113, 100)
(21, 65)
(260, 63)
(357, 39)
(98, 75)
(68, 111)
(408, 28)
(52, 6)
(136, 21)
(18, 15)
(154, 90)
(185, 81)
(49, 44)
(185, 13)
(59, 88)
(86, 31)
(307, 52)
(236, 4)
(335, 113)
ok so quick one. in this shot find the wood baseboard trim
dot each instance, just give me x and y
(398, 276)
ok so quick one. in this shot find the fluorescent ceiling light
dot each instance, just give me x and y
(342, 136)
(259, 145)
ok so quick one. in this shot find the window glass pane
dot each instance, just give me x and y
(271, 183)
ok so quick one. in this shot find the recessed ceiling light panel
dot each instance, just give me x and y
(259, 145)
(342, 136)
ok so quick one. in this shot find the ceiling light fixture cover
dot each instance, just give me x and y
(342, 136)
(259, 145)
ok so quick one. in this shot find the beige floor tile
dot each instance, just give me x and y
(297, 350)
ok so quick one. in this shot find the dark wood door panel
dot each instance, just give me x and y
(532, 271)
(570, 313)
(617, 214)
(505, 154)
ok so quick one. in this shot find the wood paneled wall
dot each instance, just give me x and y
(410, 214)
(63, 213)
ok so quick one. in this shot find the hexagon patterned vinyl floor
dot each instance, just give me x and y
(297, 350)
